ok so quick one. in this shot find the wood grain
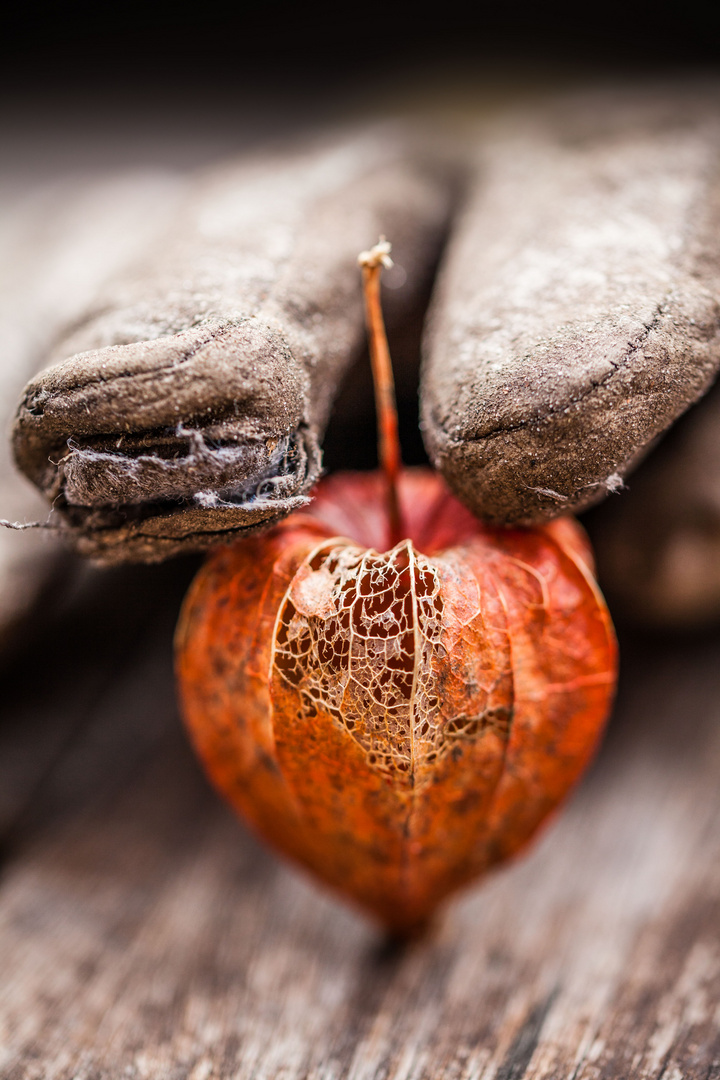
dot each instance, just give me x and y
(145, 934)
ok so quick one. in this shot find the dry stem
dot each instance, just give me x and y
(372, 263)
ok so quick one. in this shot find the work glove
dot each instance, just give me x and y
(574, 317)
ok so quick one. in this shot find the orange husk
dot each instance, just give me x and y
(397, 721)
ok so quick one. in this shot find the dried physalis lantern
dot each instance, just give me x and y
(393, 694)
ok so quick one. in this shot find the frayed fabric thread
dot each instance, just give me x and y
(612, 485)
(20, 525)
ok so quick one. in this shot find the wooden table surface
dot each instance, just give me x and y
(145, 934)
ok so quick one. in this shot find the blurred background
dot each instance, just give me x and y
(199, 69)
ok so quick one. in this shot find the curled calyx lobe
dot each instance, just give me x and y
(398, 722)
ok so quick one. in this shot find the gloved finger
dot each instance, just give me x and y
(188, 406)
(577, 313)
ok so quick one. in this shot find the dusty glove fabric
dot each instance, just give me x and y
(577, 312)
(188, 405)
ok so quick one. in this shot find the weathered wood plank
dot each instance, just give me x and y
(144, 933)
